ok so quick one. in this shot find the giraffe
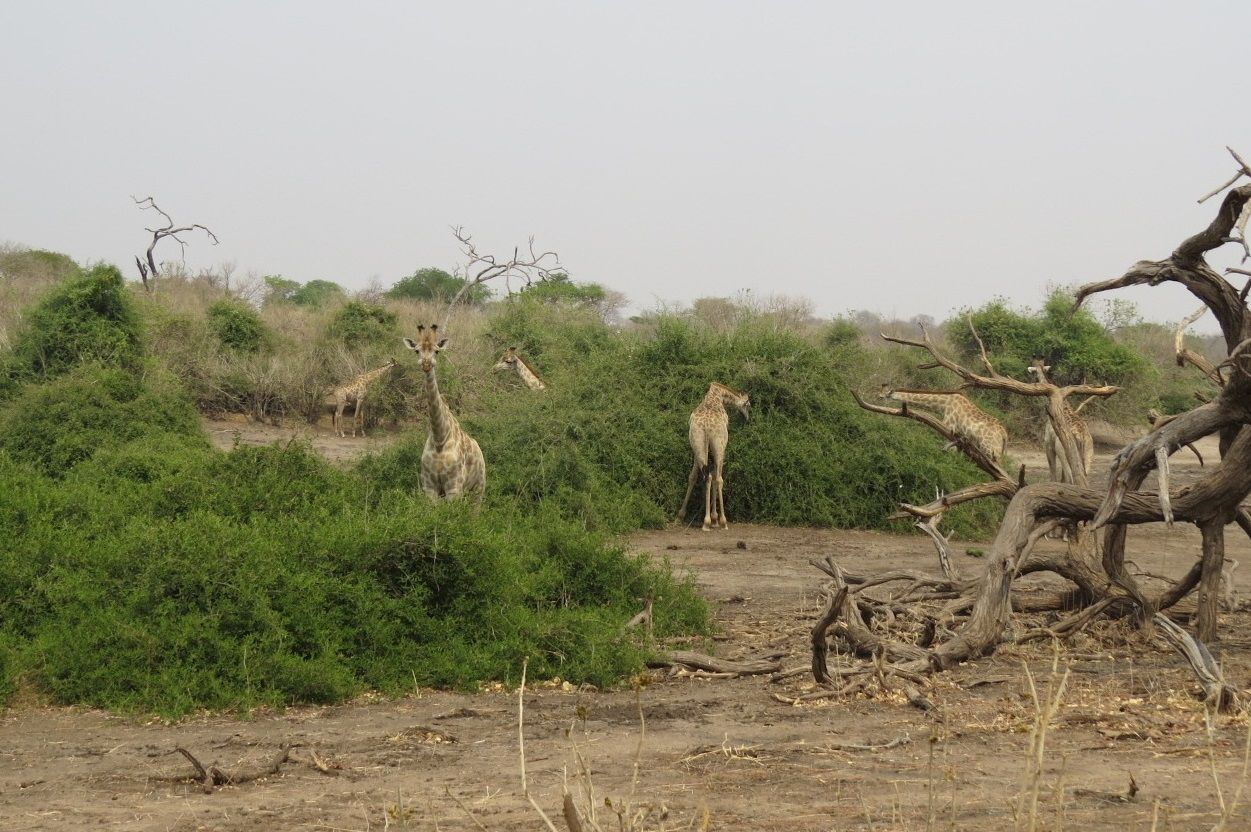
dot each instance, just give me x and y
(960, 416)
(511, 361)
(353, 393)
(1057, 459)
(451, 462)
(709, 432)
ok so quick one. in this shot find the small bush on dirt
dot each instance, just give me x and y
(237, 326)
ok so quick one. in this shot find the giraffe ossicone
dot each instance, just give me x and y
(451, 461)
(709, 432)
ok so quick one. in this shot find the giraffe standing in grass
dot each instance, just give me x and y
(960, 416)
(709, 433)
(451, 462)
(1057, 459)
(353, 393)
(511, 361)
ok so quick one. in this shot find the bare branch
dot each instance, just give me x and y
(481, 268)
(168, 230)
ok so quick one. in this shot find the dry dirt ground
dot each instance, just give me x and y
(723, 747)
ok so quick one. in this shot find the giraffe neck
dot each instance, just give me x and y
(365, 378)
(528, 376)
(441, 420)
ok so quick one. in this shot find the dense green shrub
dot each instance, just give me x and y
(164, 576)
(606, 443)
(314, 294)
(86, 319)
(558, 288)
(437, 285)
(34, 263)
(360, 323)
(56, 425)
(237, 326)
(1078, 347)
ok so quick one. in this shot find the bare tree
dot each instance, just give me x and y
(523, 267)
(914, 633)
(148, 271)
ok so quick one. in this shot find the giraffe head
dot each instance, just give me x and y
(732, 398)
(508, 361)
(1039, 369)
(428, 347)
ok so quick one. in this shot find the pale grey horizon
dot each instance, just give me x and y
(905, 159)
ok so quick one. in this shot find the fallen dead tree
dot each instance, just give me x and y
(935, 624)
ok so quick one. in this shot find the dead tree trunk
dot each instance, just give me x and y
(1104, 586)
(148, 271)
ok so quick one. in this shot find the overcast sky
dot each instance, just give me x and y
(902, 158)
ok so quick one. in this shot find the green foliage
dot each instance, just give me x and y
(360, 323)
(1078, 347)
(237, 326)
(606, 443)
(437, 285)
(26, 264)
(87, 319)
(163, 576)
(56, 425)
(314, 294)
(560, 289)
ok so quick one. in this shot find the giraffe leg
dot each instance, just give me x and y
(709, 486)
(336, 421)
(690, 486)
(721, 497)
(359, 413)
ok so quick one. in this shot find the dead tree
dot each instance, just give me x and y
(148, 271)
(527, 268)
(918, 633)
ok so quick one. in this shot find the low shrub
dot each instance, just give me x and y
(56, 425)
(85, 319)
(237, 326)
(160, 575)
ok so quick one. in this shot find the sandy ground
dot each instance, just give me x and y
(725, 747)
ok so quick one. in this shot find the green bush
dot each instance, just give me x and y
(27, 263)
(56, 425)
(237, 326)
(360, 323)
(87, 319)
(437, 285)
(606, 443)
(314, 294)
(163, 576)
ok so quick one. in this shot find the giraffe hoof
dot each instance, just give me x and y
(705, 528)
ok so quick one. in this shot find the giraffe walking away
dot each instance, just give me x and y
(960, 416)
(353, 393)
(451, 462)
(1057, 459)
(511, 361)
(709, 433)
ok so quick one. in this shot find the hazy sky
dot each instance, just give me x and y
(898, 157)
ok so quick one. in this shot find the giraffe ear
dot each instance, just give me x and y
(410, 343)
(442, 343)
